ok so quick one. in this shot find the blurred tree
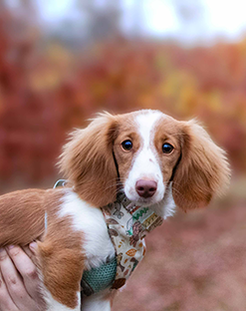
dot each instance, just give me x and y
(91, 21)
(188, 11)
(191, 17)
(103, 18)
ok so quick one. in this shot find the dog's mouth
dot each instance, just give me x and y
(145, 202)
(161, 202)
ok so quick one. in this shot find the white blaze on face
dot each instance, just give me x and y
(146, 165)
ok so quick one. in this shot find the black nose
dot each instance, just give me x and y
(146, 188)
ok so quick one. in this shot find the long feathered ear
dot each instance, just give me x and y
(87, 161)
(203, 169)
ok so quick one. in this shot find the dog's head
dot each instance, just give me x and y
(144, 153)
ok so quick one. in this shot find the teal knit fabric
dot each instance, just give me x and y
(100, 278)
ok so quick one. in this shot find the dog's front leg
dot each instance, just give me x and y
(61, 270)
(54, 305)
(98, 302)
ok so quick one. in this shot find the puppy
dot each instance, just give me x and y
(125, 173)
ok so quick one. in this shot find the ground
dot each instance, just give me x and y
(195, 261)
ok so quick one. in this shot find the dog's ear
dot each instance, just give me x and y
(202, 171)
(88, 162)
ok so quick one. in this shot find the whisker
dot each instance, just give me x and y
(113, 185)
(178, 192)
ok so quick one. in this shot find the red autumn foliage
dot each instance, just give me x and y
(45, 93)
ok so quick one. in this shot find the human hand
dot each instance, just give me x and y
(19, 282)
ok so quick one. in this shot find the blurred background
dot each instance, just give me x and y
(61, 61)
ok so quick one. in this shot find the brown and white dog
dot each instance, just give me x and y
(158, 162)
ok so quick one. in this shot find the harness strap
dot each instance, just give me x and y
(45, 221)
(59, 182)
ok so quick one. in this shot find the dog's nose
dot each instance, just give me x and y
(146, 188)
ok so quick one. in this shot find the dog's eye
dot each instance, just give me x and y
(127, 145)
(167, 148)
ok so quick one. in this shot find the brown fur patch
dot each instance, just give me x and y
(167, 130)
(203, 170)
(21, 216)
(87, 161)
(126, 130)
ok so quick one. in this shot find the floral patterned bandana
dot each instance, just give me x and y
(128, 224)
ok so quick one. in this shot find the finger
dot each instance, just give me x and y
(34, 291)
(33, 247)
(30, 254)
(14, 282)
(6, 302)
(26, 268)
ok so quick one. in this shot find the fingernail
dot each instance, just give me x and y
(33, 245)
(10, 246)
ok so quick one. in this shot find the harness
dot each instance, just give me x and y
(127, 225)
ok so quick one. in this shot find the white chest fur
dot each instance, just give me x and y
(97, 246)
